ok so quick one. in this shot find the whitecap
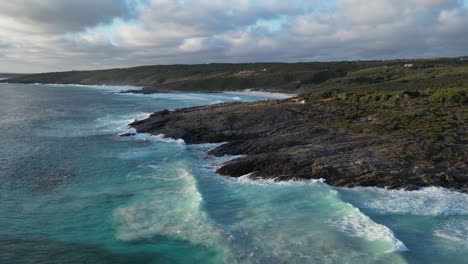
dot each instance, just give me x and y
(174, 212)
(118, 123)
(430, 201)
(355, 223)
(163, 138)
(247, 179)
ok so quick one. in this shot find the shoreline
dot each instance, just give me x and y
(132, 89)
(279, 145)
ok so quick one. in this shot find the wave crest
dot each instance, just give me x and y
(357, 224)
(172, 212)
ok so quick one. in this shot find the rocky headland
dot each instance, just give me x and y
(312, 137)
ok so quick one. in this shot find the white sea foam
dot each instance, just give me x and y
(347, 219)
(355, 223)
(246, 179)
(262, 94)
(455, 231)
(199, 98)
(117, 123)
(173, 212)
(306, 224)
(163, 138)
(112, 88)
(218, 162)
(262, 233)
(215, 163)
(158, 175)
(136, 153)
(206, 146)
(426, 201)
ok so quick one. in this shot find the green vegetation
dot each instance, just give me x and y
(276, 77)
(430, 115)
(401, 78)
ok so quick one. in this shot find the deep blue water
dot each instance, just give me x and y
(72, 191)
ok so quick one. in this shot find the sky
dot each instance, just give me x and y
(60, 35)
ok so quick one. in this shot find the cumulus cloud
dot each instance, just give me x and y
(44, 35)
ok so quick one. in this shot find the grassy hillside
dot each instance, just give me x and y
(279, 77)
(431, 115)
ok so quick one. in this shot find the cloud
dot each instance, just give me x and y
(44, 35)
(60, 16)
(436, 3)
(452, 22)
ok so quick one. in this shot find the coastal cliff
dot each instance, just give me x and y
(348, 139)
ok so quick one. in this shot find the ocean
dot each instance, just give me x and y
(73, 191)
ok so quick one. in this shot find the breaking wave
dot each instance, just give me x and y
(355, 223)
(430, 201)
(246, 179)
(169, 212)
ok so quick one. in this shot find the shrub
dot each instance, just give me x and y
(450, 96)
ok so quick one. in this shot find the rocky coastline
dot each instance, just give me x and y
(280, 142)
(374, 123)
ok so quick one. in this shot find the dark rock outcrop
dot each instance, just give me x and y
(280, 143)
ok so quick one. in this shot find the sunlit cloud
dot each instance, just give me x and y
(56, 35)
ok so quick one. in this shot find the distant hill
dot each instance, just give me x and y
(275, 77)
(9, 75)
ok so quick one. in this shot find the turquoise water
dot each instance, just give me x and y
(72, 191)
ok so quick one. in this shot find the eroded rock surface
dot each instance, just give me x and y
(281, 143)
